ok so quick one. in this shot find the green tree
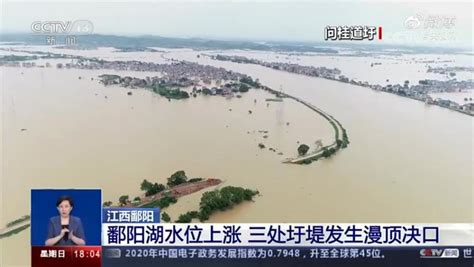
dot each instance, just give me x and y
(146, 185)
(155, 188)
(123, 200)
(329, 152)
(303, 149)
(326, 153)
(204, 214)
(188, 217)
(165, 217)
(222, 199)
(107, 203)
(206, 91)
(244, 88)
(184, 218)
(177, 178)
(248, 80)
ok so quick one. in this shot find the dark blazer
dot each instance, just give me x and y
(75, 225)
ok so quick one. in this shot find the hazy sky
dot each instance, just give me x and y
(253, 20)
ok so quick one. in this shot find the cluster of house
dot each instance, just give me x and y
(176, 74)
(179, 73)
(323, 72)
(422, 90)
(26, 64)
(419, 91)
(467, 108)
(428, 86)
(449, 70)
(128, 81)
(227, 89)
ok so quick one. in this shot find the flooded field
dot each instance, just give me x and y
(407, 162)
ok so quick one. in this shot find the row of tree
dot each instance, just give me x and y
(150, 189)
(218, 200)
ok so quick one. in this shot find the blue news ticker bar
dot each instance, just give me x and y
(287, 256)
(130, 215)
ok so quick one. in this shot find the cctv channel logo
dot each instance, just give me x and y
(439, 253)
(77, 27)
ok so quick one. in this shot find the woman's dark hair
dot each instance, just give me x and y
(65, 198)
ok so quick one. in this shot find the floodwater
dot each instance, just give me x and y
(403, 157)
(407, 162)
(74, 137)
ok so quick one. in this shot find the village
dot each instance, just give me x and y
(418, 91)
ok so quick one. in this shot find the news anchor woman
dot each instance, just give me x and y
(65, 229)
